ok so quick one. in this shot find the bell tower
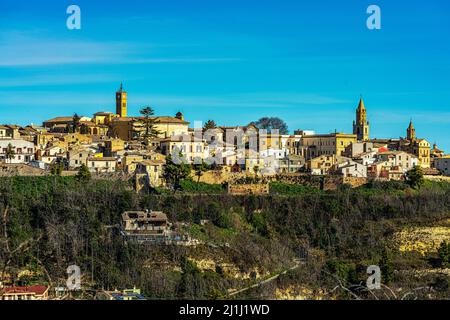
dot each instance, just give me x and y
(411, 132)
(361, 127)
(121, 102)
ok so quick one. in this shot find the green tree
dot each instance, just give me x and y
(200, 168)
(210, 124)
(444, 254)
(256, 170)
(175, 172)
(10, 153)
(190, 283)
(75, 123)
(57, 169)
(414, 177)
(386, 267)
(83, 173)
(150, 123)
(272, 123)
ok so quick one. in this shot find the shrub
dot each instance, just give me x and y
(444, 254)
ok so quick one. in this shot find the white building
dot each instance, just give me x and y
(24, 151)
(399, 158)
(443, 165)
(366, 158)
(352, 169)
(274, 153)
(78, 157)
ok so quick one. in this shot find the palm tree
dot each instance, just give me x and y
(10, 153)
(150, 130)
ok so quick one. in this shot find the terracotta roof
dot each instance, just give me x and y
(102, 159)
(151, 162)
(59, 119)
(88, 123)
(143, 215)
(328, 135)
(162, 119)
(39, 290)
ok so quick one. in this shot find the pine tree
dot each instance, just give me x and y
(414, 177)
(83, 173)
(150, 130)
(175, 172)
(10, 153)
(387, 269)
(210, 124)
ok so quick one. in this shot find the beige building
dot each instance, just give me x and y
(103, 118)
(323, 164)
(113, 146)
(133, 128)
(186, 144)
(62, 122)
(153, 169)
(101, 164)
(291, 143)
(325, 144)
(291, 164)
(77, 157)
(384, 171)
(146, 226)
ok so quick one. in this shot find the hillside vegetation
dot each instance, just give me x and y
(49, 223)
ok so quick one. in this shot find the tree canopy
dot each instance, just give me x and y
(210, 124)
(150, 130)
(272, 123)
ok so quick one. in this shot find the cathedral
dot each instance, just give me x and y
(418, 147)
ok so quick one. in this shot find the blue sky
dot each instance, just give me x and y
(232, 61)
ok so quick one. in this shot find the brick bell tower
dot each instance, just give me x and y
(121, 102)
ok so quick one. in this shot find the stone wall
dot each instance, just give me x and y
(328, 182)
(262, 188)
(10, 170)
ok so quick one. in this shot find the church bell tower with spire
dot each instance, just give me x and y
(361, 127)
(411, 132)
(121, 102)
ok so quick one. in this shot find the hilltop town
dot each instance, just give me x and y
(147, 206)
(138, 146)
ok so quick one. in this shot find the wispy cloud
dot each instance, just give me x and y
(247, 100)
(56, 80)
(19, 49)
